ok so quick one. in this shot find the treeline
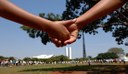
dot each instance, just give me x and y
(62, 58)
(112, 53)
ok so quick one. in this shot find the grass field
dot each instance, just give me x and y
(45, 69)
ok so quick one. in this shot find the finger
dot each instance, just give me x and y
(68, 22)
(56, 42)
(59, 44)
(71, 40)
(63, 44)
(73, 37)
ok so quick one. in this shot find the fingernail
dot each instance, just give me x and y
(74, 19)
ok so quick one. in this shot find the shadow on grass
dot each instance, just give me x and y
(93, 69)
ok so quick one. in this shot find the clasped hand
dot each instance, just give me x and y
(61, 39)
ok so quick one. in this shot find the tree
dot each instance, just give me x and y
(11, 58)
(59, 58)
(116, 22)
(106, 56)
(27, 59)
(2, 58)
(80, 59)
(117, 51)
(34, 59)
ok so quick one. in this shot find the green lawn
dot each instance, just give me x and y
(34, 69)
(45, 69)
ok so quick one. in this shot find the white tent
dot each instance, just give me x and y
(43, 56)
(124, 58)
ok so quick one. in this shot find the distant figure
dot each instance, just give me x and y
(123, 61)
(89, 62)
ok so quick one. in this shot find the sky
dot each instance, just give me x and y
(16, 42)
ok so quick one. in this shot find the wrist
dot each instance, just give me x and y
(79, 25)
(44, 24)
(82, 21)
(75, 26)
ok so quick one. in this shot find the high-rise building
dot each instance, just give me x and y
(68, 52)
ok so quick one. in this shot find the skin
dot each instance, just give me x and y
(55, 30)
(61, 32)
(73, 29)
(102, 8)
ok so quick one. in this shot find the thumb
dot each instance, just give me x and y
(69, 22)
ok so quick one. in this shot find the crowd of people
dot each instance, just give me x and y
(61, 33)
(10, 63)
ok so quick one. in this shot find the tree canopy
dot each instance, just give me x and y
(107, 56)
(117, 51)
(116, 22)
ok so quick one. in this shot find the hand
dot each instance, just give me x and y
(73, 34)
(58, 32)
(72, 28)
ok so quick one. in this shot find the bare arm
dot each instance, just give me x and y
(102, 8)
(12, 12)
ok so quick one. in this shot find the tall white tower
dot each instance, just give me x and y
(69, 52)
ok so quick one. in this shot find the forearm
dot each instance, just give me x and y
(16, 14)
(102, 8)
